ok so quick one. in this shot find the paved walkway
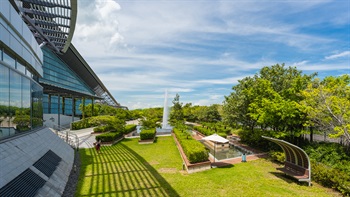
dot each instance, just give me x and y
(86, 137)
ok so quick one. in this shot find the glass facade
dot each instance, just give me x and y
(58, 74)
(20, 102)
(20, 67)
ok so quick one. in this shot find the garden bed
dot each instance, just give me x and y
(147, 141)
(191, 168)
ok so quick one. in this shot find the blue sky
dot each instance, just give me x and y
(199, 49)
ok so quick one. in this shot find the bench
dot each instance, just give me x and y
(295, 171)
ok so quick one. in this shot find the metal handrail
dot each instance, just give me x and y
(69, 137)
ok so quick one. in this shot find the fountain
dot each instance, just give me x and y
(166, 128)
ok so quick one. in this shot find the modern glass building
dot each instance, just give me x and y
(21, 62)
(43, 81)
(43, 78)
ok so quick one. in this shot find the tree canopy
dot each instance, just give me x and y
(269, 99)
(327, 104)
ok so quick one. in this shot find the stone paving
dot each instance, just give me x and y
(20, 153)
(86, 137)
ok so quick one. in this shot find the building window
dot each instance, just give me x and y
(9, 59)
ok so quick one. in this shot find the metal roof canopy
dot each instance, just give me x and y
(77, 63)
(52, 22)
(55, 90)
(294, 155)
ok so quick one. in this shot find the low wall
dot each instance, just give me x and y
(52, 119)
(191, 168)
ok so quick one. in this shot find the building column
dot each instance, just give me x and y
(49, 104)
(58, 110)
(63, 105)
(73, 108)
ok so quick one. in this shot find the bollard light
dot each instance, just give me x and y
(244, 158)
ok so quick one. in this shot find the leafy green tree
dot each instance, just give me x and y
(150, 118)
(327, 104)
(270, 99)
(176, 113)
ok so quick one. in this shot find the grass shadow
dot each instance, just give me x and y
(167, 187)
(119, 171)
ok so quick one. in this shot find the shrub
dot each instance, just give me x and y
(103, 128)
(129, 128)
(108, 137)
(81, 124)
(254, 139)
(331, 177)
(147, 134)
(332, 168)
(277, 156)
(193, 149)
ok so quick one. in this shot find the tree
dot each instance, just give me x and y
(176, 114)
(327, 104)
(270, 99)
(150, 118)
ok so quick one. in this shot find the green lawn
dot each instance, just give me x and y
(130, 169)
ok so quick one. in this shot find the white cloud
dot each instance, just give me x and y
(200, 49)
(338, 55)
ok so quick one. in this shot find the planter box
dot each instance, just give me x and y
(191, 168)
(148, 141)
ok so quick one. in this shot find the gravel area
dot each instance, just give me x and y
(72, 183)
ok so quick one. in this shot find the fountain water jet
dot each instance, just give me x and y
(165, 126)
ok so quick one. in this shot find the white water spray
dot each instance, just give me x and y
(165, 111)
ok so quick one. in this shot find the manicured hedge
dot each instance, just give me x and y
(206, 130)
(194, 150)
(81, 124)
(108, 137)
(103, 128)
(129, 128)
(147, 134)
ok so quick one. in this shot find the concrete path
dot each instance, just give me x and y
(86, 137)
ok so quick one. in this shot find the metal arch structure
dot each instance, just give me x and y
(295, 156)
(52, 22)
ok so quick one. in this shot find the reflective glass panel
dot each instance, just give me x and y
(4, 101)
(9, 59)
(37, 105)
(15, 98)
(20, 67)
(23, 115)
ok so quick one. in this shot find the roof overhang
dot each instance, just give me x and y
(56, 90)
(52, 22)
(77, 63)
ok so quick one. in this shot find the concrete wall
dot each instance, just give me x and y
(52, 119)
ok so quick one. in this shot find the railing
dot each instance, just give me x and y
(65, 134)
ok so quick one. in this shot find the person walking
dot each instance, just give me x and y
(98, 146)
